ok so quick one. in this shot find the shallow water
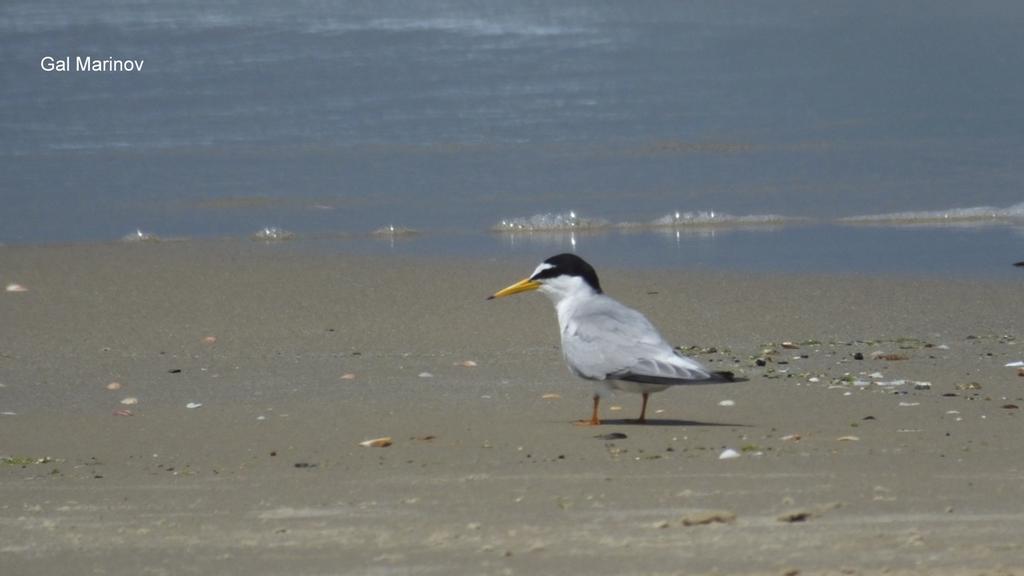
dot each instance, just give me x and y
(969, 252)
(338, 119)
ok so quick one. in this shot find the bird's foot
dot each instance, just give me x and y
(587, 423)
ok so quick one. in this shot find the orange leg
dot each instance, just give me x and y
(594, 420)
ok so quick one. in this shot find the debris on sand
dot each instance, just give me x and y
(382, 442)
(796, 516)
(728, 454)
(805, 514)
(709, 517)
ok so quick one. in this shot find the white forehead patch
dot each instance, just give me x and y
(542, 267)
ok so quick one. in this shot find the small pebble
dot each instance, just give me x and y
(114, 386)
(123, 412)
(348, 376)
(550, 397)
(728, 454)
(848, 439)
(466, 364)
(209, 340)
(614, 408)
(727, 403)
(192, 405)
(796, 516)
(129, 401)
(425, 375)
(16, 288)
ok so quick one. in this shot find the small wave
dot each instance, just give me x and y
(392, 230)
(711, 218)
(465, 26)
(550, 222)
(972, 215)
(272, 234)
(140, 236)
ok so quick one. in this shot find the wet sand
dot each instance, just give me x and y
(313, 353)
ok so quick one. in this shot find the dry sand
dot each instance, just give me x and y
(314, 353)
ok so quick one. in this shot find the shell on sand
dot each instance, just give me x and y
(382, 442)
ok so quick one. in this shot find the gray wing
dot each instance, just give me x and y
(606, 340)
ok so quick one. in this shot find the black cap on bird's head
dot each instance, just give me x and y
(561, 265)
(568, 265)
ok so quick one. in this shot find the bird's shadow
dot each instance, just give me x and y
(671, 422)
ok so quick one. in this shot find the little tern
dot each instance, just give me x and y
(605, 341)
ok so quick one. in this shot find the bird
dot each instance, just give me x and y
(605, 341)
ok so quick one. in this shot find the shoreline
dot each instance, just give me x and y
(313, 353)
(899, 253)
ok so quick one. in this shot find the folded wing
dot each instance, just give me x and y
(608, 341)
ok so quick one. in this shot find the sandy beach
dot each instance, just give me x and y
(884, 436)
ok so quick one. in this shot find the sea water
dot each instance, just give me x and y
(793, 136)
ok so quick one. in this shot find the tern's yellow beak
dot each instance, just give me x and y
(524, 285)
